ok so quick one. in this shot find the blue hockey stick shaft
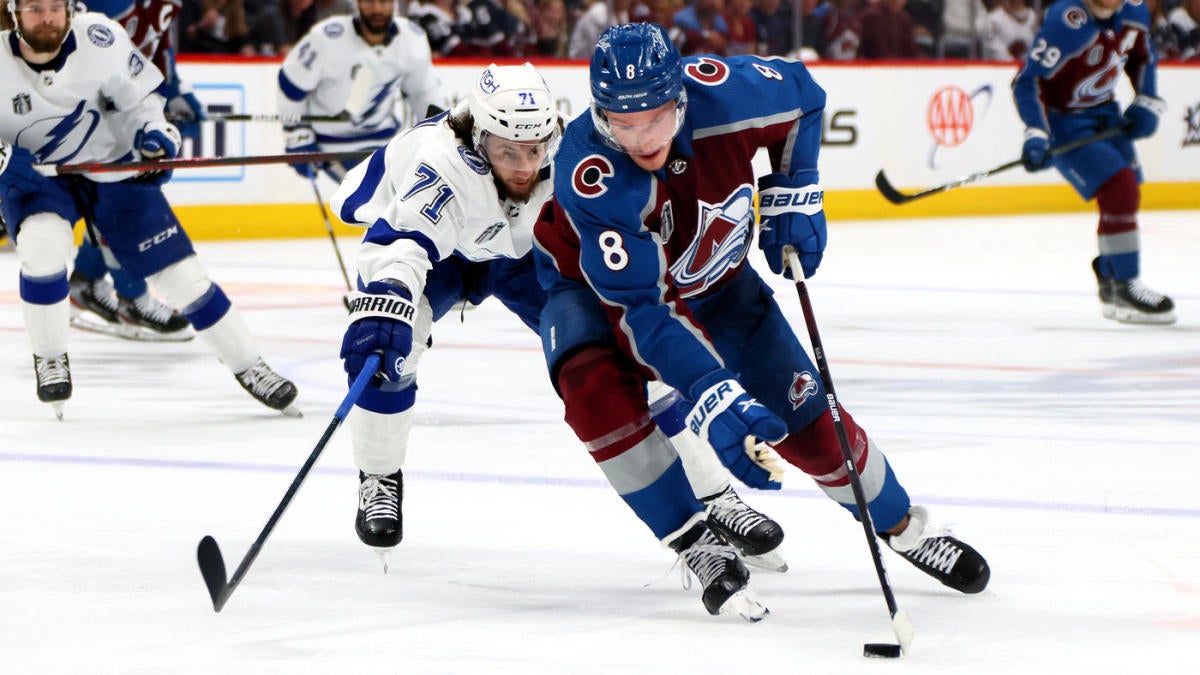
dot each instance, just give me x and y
(208, 554)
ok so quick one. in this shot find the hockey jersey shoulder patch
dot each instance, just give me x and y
(473, 160)
(334, 30)
(100, 35)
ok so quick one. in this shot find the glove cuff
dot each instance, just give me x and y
(711, 402)
(386, 302)
(1155, 105)
(1034, 132)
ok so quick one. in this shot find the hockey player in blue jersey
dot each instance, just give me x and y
(125, 307)
(654, 214)
(1064, 92)
(450, 206)
(83, 93)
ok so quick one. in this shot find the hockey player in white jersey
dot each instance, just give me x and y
(358, 66)
(81, 92)
(450, 205)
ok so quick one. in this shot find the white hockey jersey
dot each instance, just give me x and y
(426, 182)
(332, 69)
(86, 104)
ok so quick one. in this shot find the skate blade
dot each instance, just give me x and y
(771, 561)
(292, 411)
(385, 555)
(127, 331)
(745, 603)
(58, 409)
(1135, 317)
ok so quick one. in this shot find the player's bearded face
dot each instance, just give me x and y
(516, 164)
(375, 14)
(646, 135)
(43, 24)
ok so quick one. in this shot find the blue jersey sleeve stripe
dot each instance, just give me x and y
(290, 89)
(366, 187)
(381, 233)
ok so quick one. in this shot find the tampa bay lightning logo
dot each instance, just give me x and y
(803, 386)
(334, 30)
(473, 160)
(100, 36)
(58, 139)
(720, 243)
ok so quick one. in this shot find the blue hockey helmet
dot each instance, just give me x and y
(635, 67)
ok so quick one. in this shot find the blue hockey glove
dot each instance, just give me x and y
(157, 141)
(1035, 154)
(1141, 117)
(791, 214)
(303, 139)
(381, 321)
(16, 168)
(732, 422)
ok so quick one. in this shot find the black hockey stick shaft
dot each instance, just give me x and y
(329, 228)
(265, 117)
(208, 554)
(199, 162)
(899, 621)
(894, 196)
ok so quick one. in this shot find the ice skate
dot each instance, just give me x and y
(92, 295)
(1131, 301)
(53, 381)
(754, 535)
(722, 575)
(148, 319)
(269, 388)
(937, 553)
(380, 523)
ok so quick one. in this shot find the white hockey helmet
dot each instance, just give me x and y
(513, 103)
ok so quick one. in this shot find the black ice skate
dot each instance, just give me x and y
(753, 534)
(53, 381)
(152, 320)
(935, 552)
(270, 388)
(93, 295)
(380, 523)
(1131, 301)
(721, 573)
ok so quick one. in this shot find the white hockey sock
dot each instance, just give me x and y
(380, 440)
(704, 471)
(47, 326)
(231, 342)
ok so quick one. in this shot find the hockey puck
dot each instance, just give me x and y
(881, 650)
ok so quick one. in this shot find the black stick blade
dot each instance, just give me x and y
(212, 568)
(889, 193)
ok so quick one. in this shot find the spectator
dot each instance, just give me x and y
(1166, 41)
(550, 28)
(442, 21)
(927, 22)
(1008, 31)
(595, 20)
(887, 31)
(214, 27)
(743, 32)
(1185, 22)
(962, 23)
(700, 28)
(491, 30)
(773, 19)
(841, 32)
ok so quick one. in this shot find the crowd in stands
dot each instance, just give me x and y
(998, 30)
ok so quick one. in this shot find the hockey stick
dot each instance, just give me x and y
(900, 622)
(198, 162)
(343, 116)
(894, 196)
(332, 238)
(212, 565)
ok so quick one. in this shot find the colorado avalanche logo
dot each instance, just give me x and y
(1075, 17)
(707, 71)
(803, 386)
(720, 243)
(589, 175)
(100, 35)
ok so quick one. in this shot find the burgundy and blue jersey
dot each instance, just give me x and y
(652, 240)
